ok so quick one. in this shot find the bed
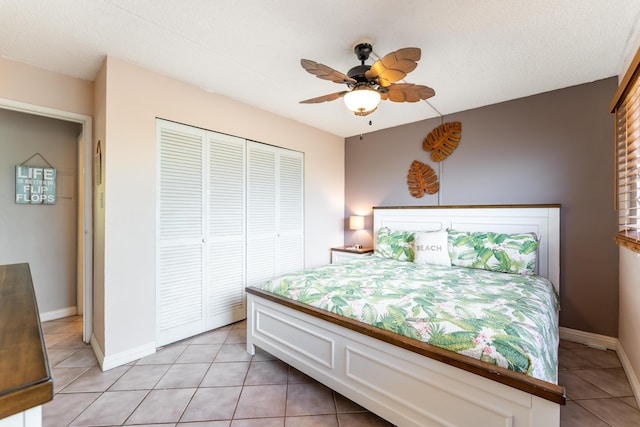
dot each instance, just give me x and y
(393, 374)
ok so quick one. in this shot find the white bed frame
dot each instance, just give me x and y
(413, 384)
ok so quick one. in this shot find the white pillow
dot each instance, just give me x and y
(430, 247)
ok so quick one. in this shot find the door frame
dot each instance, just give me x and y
(84, 261)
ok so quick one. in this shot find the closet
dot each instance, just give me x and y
(230, 215)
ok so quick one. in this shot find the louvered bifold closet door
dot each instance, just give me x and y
(226, 231)
(275, 214)
(291, 211)
(261, 213)
(230, 214)
(180, 290)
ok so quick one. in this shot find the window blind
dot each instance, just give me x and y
(627, 157)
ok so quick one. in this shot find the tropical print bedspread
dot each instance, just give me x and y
(500, 318)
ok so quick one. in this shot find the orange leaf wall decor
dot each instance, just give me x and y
(443, 140)
(422, 179)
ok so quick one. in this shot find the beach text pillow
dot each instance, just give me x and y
(431, 247)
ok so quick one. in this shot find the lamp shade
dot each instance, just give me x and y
(356, 222)
(362, 101)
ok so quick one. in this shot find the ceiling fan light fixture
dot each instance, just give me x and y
(369, 84)
(362, 100)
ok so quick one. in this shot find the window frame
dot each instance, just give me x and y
(629, 89)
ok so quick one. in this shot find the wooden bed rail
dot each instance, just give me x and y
(548, 391)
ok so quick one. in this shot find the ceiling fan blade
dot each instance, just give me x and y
(407, 92)
(324, 98)
(324, 72)
(394, 66)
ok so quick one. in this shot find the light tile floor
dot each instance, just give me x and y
(210, 381)
(598, 392)
(205, 381)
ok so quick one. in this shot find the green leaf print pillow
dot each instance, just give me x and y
(507, 253)
(394, 244)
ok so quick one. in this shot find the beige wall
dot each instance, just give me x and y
(629, 315)
(629, 332)
(24, 83)
(99, 320)
(124, 102)
(134, 98)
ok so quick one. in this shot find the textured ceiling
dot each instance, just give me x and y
(474, 53)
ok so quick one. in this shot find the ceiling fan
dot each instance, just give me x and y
(368, 84)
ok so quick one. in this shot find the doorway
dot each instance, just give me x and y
(84, 226)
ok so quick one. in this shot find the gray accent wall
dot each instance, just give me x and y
(554, 147)
(42, 235)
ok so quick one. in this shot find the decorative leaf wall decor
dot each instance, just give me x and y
(421, 179)
(443, 140)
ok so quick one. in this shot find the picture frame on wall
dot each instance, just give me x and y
(35, 185)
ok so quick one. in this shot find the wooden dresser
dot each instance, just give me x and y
(25, 376)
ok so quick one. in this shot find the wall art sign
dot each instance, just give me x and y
(35, 185)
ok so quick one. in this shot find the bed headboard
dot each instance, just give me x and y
(544, 220)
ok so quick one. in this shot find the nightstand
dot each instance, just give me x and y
(344, 253)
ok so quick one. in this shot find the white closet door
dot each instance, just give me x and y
(261, 213)
(275, 214)
(230, 215)
(291, 211)
(179, 299)
(226, 231)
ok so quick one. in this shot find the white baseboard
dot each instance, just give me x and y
(608, 343)
(122, 358)
(629, 371)
(602, 342)
(97, 350)
(58, 314)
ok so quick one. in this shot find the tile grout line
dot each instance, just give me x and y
(597, 367)
(286, 394)
(124, 423)
(594, 414)
(106, 385)
(70, 382)
(165, 374)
